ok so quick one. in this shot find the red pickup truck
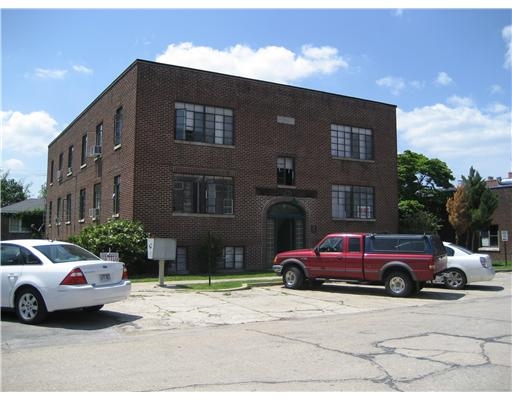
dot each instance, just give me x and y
(403, 263)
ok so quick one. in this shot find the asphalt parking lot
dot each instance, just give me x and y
(342, 337)
(171, 308)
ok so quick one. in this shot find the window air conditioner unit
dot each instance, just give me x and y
(95, 151)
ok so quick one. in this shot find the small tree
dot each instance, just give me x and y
(12, 191)
(457, 208)
(128, 238)
(481, 205)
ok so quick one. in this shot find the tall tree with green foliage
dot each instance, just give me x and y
(482, 203)
(12, 191)
(424, 186)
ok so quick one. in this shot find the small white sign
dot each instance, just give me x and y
(504, 236)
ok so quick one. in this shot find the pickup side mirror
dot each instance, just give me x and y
(317, 251)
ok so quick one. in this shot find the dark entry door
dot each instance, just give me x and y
(288, 223)
(285, 234)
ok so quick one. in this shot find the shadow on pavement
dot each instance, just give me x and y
(78, 319)
(380, 291)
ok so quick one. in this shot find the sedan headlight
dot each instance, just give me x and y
(483, 261)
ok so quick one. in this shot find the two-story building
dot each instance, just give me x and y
(264, 167)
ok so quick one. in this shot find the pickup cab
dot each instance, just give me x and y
(402, 262)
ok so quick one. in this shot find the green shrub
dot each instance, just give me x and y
(128, 238)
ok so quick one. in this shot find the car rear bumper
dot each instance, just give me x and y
(78, 296)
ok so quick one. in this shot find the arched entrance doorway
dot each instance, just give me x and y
(285, 227)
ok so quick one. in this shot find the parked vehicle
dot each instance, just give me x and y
(41, 276)
(403, 263)
(465, 267)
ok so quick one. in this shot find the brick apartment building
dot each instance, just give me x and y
(262, 166)
(492, 241)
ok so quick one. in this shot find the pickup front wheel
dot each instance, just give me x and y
(398, 284)
(293, 278)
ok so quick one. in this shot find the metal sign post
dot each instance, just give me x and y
(504, 239)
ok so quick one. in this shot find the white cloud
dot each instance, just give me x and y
(27, 133)
(443, 79)
(82, 69)
(50, 73)
(396, 85)
(460, 134)
(271, 63)
(457, 101)
(506, 33)
(12, 165)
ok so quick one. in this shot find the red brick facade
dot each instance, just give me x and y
(269, 121)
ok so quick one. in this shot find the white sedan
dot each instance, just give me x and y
(41, 276)
(465, 267)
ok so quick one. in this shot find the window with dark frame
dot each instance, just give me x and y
(83, 153)
(118, 126)
(204, 124)
(116, 195)
(351, 142)
(232, 258)
(99, 135)
(71, 150)
(96, 200)
(203, 194)
(352, 202)
(52, 166)
(68, 208)
(81, 205)
(61, 165)
(58, 217)
(50, 212)
(286, 171)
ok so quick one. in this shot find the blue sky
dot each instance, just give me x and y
(447, 70)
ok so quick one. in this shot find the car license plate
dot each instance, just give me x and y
(104, 277)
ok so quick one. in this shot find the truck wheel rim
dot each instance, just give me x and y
(28, 306)
(397, 284)
(290, 277)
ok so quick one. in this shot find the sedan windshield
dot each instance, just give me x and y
(61, 253)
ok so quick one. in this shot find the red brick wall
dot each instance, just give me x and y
(150, 156)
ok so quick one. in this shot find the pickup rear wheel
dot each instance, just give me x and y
(398, 284)
(293, 278)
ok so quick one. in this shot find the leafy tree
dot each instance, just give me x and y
(457, 207)
(482, 203)
(427, 182)
(414, 218)
(128, 238)
(12, 191)
(420, 176)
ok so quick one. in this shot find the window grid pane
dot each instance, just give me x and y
(197, 123)
(355, 202)
(351, 142)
